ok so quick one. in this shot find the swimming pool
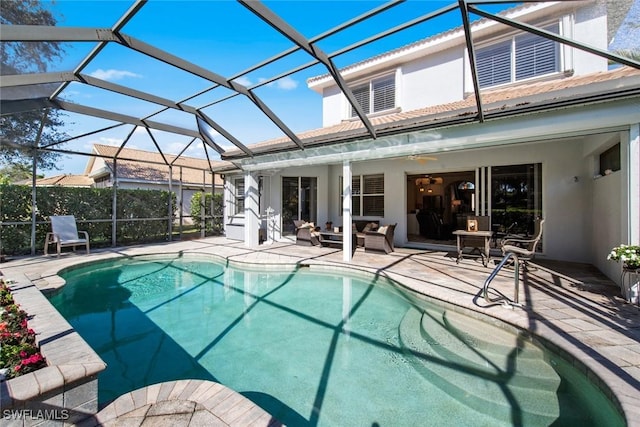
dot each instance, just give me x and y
(316, 348)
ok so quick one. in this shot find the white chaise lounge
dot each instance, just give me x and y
(65, 233)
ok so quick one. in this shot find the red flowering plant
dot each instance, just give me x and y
(18, 352)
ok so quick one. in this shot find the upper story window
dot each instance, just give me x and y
(521, 57)
(376, 95)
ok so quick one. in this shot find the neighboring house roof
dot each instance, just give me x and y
(62, 181)
(147, 166)
(515, 97)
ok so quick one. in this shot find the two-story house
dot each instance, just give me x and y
(545, 129)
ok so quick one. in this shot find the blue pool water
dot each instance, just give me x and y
(317, 348)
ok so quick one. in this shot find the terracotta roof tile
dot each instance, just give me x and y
(150, 166)
(64, 181)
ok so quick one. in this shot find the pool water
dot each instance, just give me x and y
(317, 348)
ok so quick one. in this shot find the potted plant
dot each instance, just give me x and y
(630, 257)
(628, 254)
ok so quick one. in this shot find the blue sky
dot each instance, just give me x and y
(224, 37)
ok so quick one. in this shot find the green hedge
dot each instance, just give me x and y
(92, 210)
(213, 210)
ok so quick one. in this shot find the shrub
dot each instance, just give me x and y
(213, 210)
(92, 209)
(19, 354)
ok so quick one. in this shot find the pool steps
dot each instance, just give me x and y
(448, 357)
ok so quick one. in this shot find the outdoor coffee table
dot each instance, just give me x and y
(334, 240)
(484, 253)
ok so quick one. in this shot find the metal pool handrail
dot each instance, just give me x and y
(505, 259)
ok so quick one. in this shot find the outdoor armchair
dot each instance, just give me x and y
(307, 234)
(523, 248)
(65, 233)
(380, 240)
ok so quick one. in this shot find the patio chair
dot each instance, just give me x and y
(380, 240)
(307, 234)
(65, 233)
(523, 248)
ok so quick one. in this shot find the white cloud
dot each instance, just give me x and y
(285, 83)
(244, 81)
(115, 142)
(196, 148)
(113, 74)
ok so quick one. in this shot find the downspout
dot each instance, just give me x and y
(633, 183)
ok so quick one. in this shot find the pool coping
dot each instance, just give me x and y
(66, 390)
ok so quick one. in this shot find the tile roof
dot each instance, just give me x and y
(493, 100)
(150, 166)
(63, 181)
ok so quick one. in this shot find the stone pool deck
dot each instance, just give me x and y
(572, 307)
(194, 403)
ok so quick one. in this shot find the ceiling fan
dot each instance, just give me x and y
(428, 180)
(421, 158)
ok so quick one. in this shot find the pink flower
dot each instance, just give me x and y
(23, 354)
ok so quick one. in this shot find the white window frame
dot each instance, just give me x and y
(238, 196)
(511, 41)
(370, 110)
(358, 195)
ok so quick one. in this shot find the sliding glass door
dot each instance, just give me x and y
(299, 201)
(516, 197)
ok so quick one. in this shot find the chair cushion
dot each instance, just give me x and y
(382, 230)
(369, 227)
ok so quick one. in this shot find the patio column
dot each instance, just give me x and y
(114, 204)
(346, 211)
(251, 210)
(633, 183)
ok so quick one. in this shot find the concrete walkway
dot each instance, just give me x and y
(572, 307)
